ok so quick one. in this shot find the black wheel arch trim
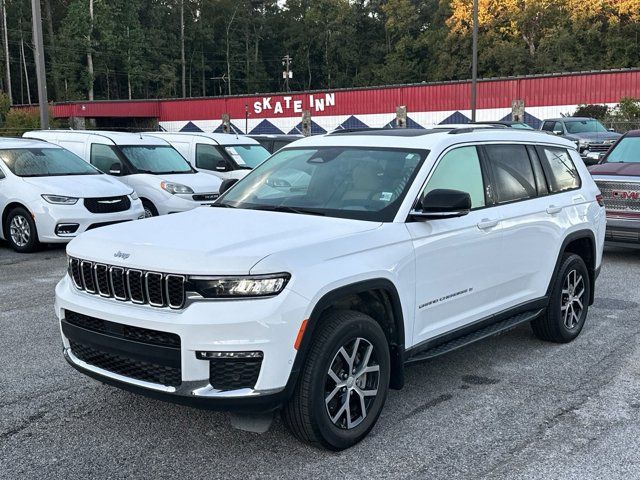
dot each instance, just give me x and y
(396, 348)
(593, 271)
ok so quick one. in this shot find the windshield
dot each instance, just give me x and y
(156, 159)
(248, 155)
(45, 162)
(522, 126)
(347, 182)
(584, 126)
(627, 150)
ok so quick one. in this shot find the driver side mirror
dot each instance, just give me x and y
(442, 203)
(115, 169)
(611, 129)
(222, 166)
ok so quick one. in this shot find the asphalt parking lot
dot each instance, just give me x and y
(508, 407)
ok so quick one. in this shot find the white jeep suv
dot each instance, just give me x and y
(401, 245)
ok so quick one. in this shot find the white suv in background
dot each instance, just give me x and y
(222, 154)
(401, 246)
(162, 178)
(49, 195)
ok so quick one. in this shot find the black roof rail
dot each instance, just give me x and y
(455, 131)
(355, 130)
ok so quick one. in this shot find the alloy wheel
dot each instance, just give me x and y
(20, 230)
(572, 299)
(352, 383)
(147, 212)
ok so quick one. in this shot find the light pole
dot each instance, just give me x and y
(39, 58)
(474, 62)
(287, 74)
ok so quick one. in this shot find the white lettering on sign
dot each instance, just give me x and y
(287, 105)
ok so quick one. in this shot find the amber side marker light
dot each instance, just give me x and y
(298, 341)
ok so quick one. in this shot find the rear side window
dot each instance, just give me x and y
(460, 170)
(207, 156)
(561, 172)
(103, 157)
(512, 172)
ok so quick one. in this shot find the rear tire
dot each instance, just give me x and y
(149, 209)
(569, 303)
(20, 231)
(346, 373)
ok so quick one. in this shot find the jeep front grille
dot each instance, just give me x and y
(128, 284)
(620, 197)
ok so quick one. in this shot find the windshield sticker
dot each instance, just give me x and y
(386, 196)
(235, 155)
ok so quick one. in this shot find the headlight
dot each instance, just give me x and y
(60, 199)
(235, 287)
(134, 195)
(175, 188)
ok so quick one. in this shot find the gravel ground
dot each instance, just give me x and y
(507, 407)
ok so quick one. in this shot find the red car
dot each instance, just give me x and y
(618, 176)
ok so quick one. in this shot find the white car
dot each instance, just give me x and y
(49, 195)
(402, 246)
(162, 178)
(221, 154)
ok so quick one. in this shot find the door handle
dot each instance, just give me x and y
(552, 209)
(487, 223)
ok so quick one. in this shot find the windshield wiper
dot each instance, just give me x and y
(288, 209)
(222, 205)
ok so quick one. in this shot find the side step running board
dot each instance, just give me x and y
(471, 337)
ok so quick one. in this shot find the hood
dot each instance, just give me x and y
(81, 186)
(210, 241)
(199, 182)
(593, 136)
(617, 168)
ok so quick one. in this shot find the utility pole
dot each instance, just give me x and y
(287, 74)
(182, 57)
(6, 51)
(474, 62)
(39, 58)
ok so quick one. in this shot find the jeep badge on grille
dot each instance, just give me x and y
(121, 255)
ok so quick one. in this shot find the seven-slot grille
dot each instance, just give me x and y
(128, 284)
(620, 196)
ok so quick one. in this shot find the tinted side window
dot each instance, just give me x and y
(560, 169)
(512, 172)
(1, 174)
(103, 157)
(207, 156)
(460, 170)
(548, 126)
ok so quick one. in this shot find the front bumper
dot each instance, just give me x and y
(48, 217)
(623, 231)
(269, 325)
(183, 203)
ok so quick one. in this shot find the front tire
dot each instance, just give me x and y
(343, 384)
(569, 303)
(149, 209)
(20, 231)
